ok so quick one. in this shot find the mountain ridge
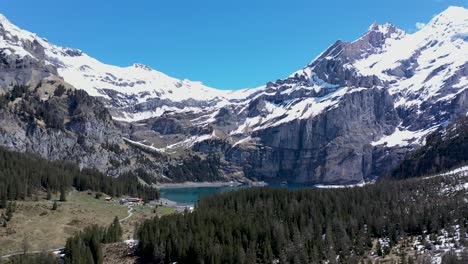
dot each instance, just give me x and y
(349, 115)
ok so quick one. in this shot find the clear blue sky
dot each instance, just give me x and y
(225, 44)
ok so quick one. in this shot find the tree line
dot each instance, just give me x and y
(264, 225)
(195, 168)
(85, 247)
(23, 174)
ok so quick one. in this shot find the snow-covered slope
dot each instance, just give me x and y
(93, 76)
(419, 69)
(398, 60)
(421, 63)
(462, 171)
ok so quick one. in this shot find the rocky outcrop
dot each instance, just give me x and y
(73, 126)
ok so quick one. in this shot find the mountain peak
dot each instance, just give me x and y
(14, 31)
(142, 66)
(7, 24)
(455, 10)
(3, 19)
(374, 26)
(387, 29)
(378, 34)
(453, 15)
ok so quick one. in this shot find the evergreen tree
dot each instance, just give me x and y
(25, 245)
(402, 257)
(22, 175)
(9, 211)
(3, 202)
(299, 226)
(118, 229)
(379, 249)
(55, 206)
(114, 232)
(95, 247)
(63, 194)
(462, 234)
(60, 90)
(49, 194)
(267, 252)
(85, 247)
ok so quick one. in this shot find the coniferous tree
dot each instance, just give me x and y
(9, 211)
(379, 249)
(23, 175)
(462, 233)
(85, 246)
(3, 202)
(300, 225)
(49, 194)
(63, 194)
(25, 245)
(402, 257)
(95, 247)
(114, 232)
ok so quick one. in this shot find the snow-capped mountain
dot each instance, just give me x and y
(350, 114)
(122, 86)
(95, 77)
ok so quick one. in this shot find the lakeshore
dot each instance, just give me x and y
(195, 184)
(189, 193)
(207, 184)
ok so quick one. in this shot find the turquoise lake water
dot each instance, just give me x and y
(190, 195)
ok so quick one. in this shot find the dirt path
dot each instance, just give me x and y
(58, 250)
(130, 213)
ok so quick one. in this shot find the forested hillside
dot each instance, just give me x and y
(444, 149)
(22, 174)
(261, 225)
(85, 247)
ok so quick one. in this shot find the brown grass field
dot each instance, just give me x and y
(37, 227)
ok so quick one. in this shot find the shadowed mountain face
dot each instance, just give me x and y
(444, 148)
(351, 114)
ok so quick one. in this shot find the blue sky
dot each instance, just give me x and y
(225, 44)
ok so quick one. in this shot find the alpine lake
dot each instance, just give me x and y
(191, 195)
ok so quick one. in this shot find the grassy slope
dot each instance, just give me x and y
(46, 229)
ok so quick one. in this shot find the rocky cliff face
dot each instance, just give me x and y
(357, 110)
(41, 113)
(351, 114)
(68, 127)
(332, 147)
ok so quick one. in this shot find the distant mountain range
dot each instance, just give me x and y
(352, 114)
